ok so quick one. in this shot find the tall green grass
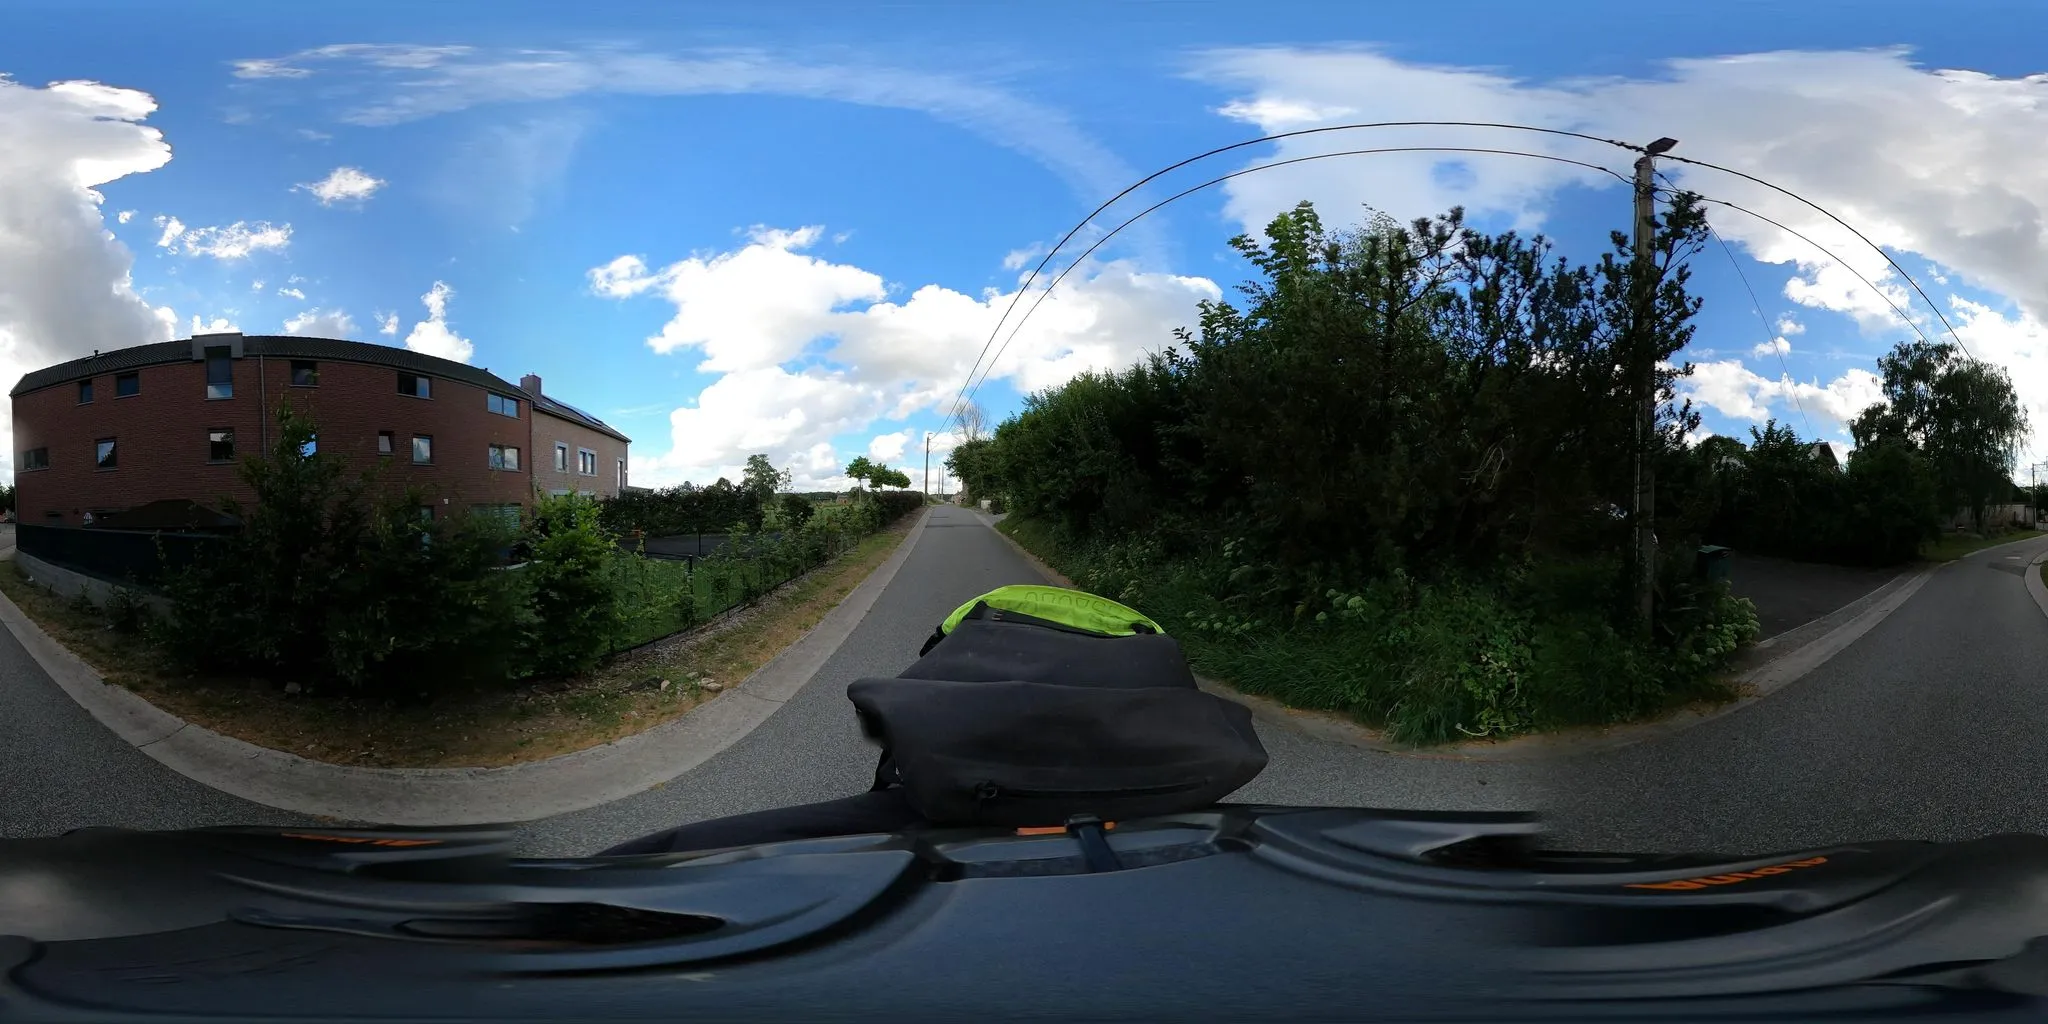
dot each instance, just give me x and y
(1429, 662)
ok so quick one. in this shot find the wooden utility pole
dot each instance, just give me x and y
(1643, 283)
(927, 467)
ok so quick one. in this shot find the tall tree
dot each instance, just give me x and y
(1963, 415)
(762, 479)
(861, 469)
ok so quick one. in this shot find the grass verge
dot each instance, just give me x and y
(1424, 664)
(481, 727)
(1955, 545)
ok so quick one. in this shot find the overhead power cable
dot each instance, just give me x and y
(975, 385)
(1770, 334)
(1829, 253)
(1851, 229)
(961, 399)
(971, 384)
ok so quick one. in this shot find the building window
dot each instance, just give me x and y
(507, 514)
(586, 462)
(422, 450)
(622, 474)
(126, 384)
(501, 405)
(561, 457)
(305, 373)
(220, 372)
(504, 458)
(103, 453)
(383, 442)
(416, 385)
(84, 392)
(35, 458)
(220, 445)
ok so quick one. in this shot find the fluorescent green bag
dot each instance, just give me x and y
(1055, 606)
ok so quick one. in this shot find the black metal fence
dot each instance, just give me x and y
(126, 556)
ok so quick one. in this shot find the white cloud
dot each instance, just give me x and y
(124, 216)
(1735, 391)
(291, 293)
(1280, 115)
(1949, 165)
(65, 288)
(319, 323)
(256, 285)
(433, 336)
(385, 84)
(789, 416)
(173, 230)
(264, 68)
(1016, 258)
(1789, 327)
(232, 242)
(888, 447)
(768, 315)
(2020, 344)
(752, 307)
(218, 325)
(1775, 346)
(342, 185)
(387, 323)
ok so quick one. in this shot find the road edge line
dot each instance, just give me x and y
(459, 796)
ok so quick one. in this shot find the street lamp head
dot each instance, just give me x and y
(1660, 146)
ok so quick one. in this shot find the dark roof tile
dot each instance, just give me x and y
(273, 345)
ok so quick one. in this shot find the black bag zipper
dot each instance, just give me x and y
(988, 790)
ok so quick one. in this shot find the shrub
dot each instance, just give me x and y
(324, 582)
(575, 593)
(126, 612)
(426, 602)
(685, 508)
(796, 510)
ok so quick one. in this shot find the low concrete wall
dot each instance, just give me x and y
(68, 583)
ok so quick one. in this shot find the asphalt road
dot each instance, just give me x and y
(812, 749)
(1933, 725)
(63, 770)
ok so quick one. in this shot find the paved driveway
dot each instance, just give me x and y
(1932, 725)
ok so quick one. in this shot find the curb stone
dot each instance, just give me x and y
(459, 796)
(1770, 665)
(2035, 588)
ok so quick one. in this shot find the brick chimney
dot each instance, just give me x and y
(530, 384)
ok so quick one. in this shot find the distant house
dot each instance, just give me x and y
(1825, 454)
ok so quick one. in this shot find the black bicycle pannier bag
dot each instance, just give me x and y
(1015, 721)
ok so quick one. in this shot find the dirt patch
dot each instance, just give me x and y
(479, 728)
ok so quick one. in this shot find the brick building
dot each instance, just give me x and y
(134, 426)
(573, 450)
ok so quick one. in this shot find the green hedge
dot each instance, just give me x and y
(328, 582)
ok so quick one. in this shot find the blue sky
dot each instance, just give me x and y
(785, 229)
